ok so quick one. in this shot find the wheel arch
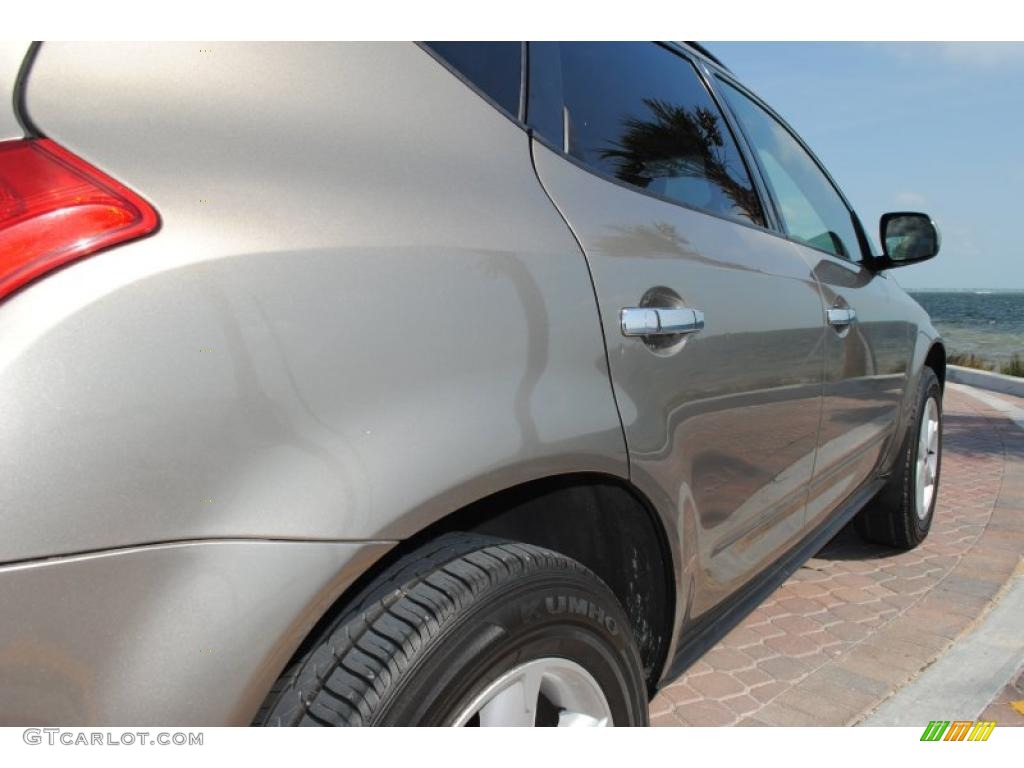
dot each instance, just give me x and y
(929, 352)
(936, 360)
(600, 520)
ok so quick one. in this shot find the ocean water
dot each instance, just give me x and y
(988, 323)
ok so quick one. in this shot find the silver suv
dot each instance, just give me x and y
(444, 383)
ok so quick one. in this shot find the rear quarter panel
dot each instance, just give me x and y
(360, 312)
(12, 54)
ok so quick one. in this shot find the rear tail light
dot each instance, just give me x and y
(55, 208)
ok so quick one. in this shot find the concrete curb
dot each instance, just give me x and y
(997, 382)
(974, 589)
(962, 682)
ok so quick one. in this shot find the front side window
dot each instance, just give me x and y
(811, 208)
(493, 67)
(640, 113)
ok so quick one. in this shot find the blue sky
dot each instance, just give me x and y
(936, 127)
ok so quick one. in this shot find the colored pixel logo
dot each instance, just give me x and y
(958, 730)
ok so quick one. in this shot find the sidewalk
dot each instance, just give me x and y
(859, 621)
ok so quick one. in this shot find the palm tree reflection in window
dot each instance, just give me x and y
(682, 154)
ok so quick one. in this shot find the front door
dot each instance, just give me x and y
(868, 346)
(713, 323)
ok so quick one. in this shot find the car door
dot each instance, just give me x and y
(713, 323)
(869, 344)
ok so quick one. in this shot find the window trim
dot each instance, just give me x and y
(772, 216)
(518, 119)
(708, 73)
(862, 242)
(680, 52)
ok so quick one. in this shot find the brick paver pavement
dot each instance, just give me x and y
(860, 620)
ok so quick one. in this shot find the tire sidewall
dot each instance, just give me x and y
(538, 616)
(929, 389)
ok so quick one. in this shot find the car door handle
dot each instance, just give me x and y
(657, 321)
(839, 317)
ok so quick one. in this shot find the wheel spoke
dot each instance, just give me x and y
(513, 699)
(567, 719)
(926, 468)
(516, 705)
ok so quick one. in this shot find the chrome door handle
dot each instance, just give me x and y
(668, 321)
(840, 316)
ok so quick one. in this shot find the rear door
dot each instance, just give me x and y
(869, 344)
(720, 420)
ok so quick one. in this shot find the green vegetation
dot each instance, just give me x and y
(968, 360)
(1012, 367)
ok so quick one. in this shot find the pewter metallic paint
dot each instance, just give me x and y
(11, 56)
(722, 427)
(363, 310)
(178, 634)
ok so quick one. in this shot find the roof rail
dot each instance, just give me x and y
(707, 54)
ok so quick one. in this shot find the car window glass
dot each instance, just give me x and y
(811, 208)
(640, 113)
(494, 68)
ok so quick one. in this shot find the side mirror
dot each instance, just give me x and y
(907, 238)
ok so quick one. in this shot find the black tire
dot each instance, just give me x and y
(432, 631)
(891, 517)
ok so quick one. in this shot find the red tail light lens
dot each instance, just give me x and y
(55, 208)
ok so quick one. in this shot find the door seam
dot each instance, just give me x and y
(597, 302)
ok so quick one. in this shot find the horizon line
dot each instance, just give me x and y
(962, 290)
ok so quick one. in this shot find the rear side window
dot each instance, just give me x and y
(494, 68)
(811, 208)
(640, 113)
